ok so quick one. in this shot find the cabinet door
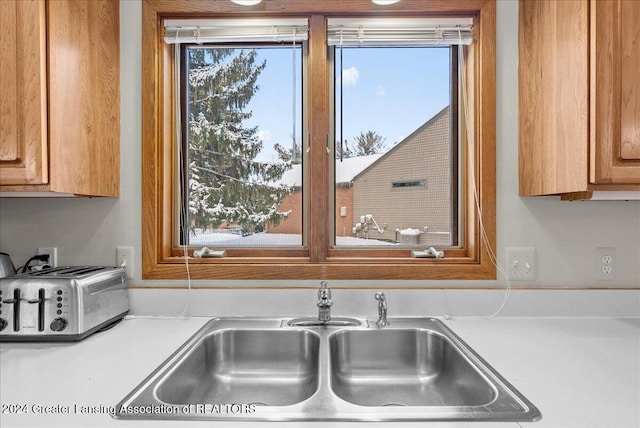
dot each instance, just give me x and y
(615, 91)
(84, 96)
(23, 112)
(553, 101)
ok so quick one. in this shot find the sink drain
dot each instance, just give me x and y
(394, 405)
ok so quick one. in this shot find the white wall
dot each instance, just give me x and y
(565, 234)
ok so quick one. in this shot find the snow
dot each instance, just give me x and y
(229, 239)
(346, 170)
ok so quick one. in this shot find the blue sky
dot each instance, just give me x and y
(389, 91)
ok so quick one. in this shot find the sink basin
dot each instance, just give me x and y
(261, 367)
(404, 368)
(288, 369)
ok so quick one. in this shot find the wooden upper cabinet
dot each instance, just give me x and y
(615, 91)
(23, 93)
(60, 64)
(579, 97)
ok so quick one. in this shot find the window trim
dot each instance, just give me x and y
(161, 260)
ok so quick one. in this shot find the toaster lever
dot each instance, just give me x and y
(40, 301)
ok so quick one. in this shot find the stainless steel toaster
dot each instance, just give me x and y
(62, 303)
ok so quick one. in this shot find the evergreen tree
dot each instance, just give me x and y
(368, 143)
(291, 155)
(226, 183)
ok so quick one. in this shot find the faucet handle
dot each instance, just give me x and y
(382, 310)
(325, 292)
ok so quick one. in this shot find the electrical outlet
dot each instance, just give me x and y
(124, 259)
(606, 263)
(53, 255)
(521, 263)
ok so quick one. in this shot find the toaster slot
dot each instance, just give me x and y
(3, 323)
(16, 309)
(41, 309)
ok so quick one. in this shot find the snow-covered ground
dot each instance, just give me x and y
(228, 239)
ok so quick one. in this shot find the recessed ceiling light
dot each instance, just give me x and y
(246, 2)
(385, 2)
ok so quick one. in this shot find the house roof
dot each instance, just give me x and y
(350, 168)
(427, 124)
(346, 170)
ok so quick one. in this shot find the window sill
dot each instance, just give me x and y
(347, 268)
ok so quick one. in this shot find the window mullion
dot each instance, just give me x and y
(319, 129)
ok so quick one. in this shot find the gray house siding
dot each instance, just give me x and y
(420, 199)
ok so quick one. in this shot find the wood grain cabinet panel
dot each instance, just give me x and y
(66, 61)
(23, 97)
(615, 91)
(579, 97)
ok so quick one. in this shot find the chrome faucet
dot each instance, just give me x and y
(324, 302)
(382, 310)
(324, 313)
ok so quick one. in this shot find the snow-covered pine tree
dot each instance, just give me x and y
(226, 183)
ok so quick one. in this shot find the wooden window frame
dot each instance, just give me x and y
(163, 259)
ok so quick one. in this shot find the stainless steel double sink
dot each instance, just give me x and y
(263, 369)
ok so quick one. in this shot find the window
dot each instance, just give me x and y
(402, 184)
(295, 210)
(393, 125)
(396, 115)
(240, 161)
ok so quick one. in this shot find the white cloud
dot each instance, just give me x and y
(350, 76)
(264, 135)
(380, 91)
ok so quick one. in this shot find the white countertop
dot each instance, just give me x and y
(580, 372)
